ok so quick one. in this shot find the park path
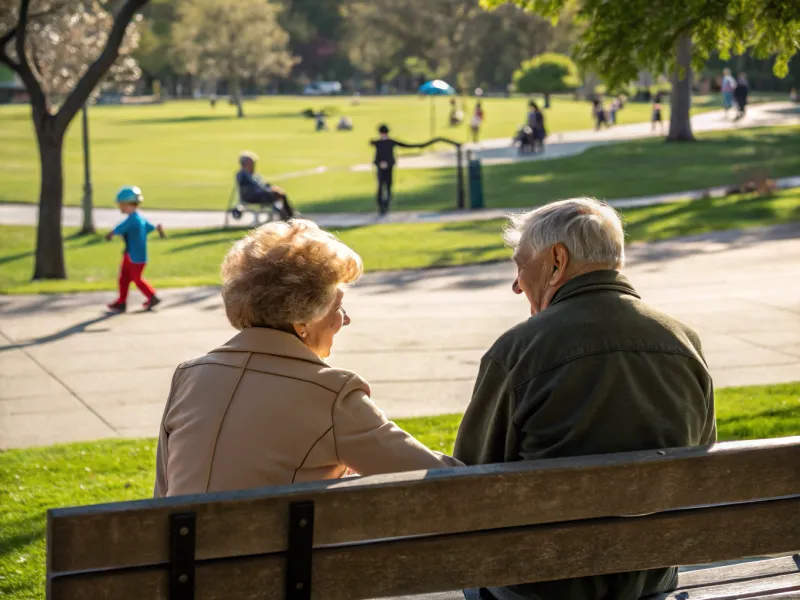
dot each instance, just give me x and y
(497, 151)
(69, 371)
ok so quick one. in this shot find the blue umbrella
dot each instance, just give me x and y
(435, 87)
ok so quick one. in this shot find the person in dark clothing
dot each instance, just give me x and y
(594, 370)
(599, 114)
(384, 164)
(254, 191)
(740, 94)
(536, 123)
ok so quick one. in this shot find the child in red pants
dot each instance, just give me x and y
(134, 230)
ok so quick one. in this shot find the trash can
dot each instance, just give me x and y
(475, 183)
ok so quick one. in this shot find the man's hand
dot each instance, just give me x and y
(160, 229)
(109, 236)
(278, 190)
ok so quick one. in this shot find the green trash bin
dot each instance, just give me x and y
(475, 183)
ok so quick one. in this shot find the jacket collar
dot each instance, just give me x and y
(593, 282)
(262, 340)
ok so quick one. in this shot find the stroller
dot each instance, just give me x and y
(526, 140)
(530, 139)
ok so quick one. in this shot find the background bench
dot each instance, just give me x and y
(419, 532)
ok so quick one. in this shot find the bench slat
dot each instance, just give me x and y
(784, 565)
(778, 584)
(421, 503)
(500, 557)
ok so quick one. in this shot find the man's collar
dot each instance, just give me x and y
(592, 282)
(262, 340)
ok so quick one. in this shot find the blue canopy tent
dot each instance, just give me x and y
(435, 87)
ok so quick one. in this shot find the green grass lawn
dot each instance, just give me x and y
(33, 480)
(183, 153)
(193, 257)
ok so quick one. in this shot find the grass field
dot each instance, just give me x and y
(193, 257)
(183, 153)
(31, 481)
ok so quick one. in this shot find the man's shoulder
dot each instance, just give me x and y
(585, 326)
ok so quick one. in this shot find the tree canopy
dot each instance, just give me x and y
(235, 39)
(547, 73)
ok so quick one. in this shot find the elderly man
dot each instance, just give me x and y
(594, 370)
(254, 191)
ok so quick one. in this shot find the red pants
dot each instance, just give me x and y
(132, 272)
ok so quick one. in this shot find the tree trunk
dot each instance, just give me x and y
(680, 125)
(237, 96)
(49, 242)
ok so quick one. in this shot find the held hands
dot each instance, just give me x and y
(109, 236)
(160, 229)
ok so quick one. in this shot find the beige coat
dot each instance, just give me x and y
(264, 410)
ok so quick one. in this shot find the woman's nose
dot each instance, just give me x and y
(515, 286)
(346, 321)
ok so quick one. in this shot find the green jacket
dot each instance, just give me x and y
(598, 371)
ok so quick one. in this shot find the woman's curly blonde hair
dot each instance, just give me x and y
(285, 272)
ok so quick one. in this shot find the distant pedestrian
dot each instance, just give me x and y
(456, 114)
(599, 114)
(740, 93)
(538, 128)
(656, 117)
(612, 111)
(728, 86)
(476, 122)
(134, 231)
(319, 122)
(384, 166)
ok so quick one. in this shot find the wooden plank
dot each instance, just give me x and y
(779, 584)
(771, 567)
(421, 503)
(502, 557)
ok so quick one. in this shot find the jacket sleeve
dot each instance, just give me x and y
(162, 452)
(487, 431)
(370, 444)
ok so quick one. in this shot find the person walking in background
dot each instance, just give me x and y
(456, 114)
(728, 86)
(599, 114)
(740, 93)
(476, 122)
(134, 231)
(539, 131)
(656, 117)
(384, 165)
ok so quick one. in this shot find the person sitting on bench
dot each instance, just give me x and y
(265, 408)
(594, 370)
(253, 191)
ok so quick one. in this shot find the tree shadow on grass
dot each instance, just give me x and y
(30, 529)
(214, 117)
(15, 257)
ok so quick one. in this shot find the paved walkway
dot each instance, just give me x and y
(491, 151)
(70, 372)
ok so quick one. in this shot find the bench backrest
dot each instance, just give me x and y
(437, 530)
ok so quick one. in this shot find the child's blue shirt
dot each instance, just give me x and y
(134, 230)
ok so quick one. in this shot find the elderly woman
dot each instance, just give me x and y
(265, 408)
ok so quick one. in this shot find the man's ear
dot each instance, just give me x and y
(560, 258)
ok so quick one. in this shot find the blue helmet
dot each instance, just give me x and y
(130, 193)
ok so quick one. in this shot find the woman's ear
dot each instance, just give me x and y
(300, 329)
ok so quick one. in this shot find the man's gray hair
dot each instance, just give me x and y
(591, 231)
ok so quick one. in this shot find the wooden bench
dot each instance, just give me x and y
(412, 533)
